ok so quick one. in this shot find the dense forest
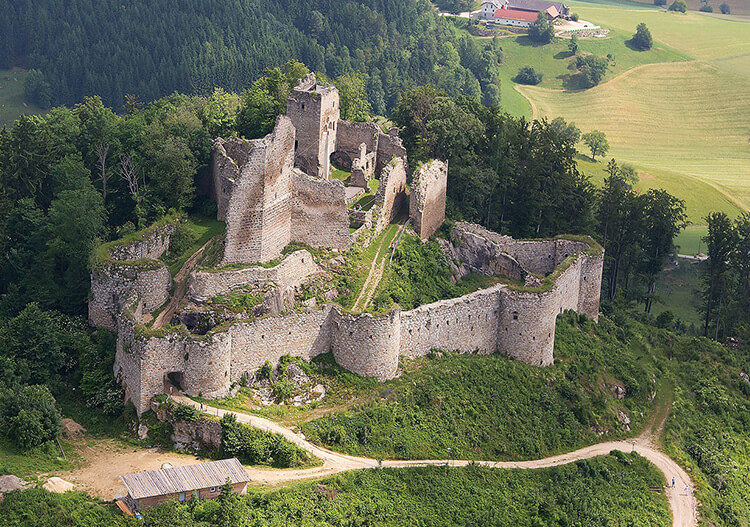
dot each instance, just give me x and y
(151, 49)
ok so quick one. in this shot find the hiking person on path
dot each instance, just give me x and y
(673, 482)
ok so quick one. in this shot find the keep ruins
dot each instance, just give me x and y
(278, 192)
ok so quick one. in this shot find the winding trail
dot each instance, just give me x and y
(181, 280)
(683, 504)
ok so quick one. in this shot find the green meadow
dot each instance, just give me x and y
(11, 96)
(679, 113)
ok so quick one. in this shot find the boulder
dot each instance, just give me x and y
(11, 482)
(59, 485)
(71, 429)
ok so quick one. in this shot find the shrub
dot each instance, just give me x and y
(592, 69)
(256, 447)
(181, 239)
(282, 389)
(706, 8)
(528, 75)
(642, 39)
(183, 412)
(574, 17)
(679, 6)
(573, 45)
(29, 416)
(266, 370)
(725, 9)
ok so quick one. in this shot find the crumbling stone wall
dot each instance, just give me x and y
(258, 210)
(130, 267)
(467, 324)
(306, 335)
(427, 199)
(352, 134)
(363, 168)
(367, 344)
(390, 146)
(314, 110)
(391, 194)
(349, 137)
(294, 269)
(319, 212)
(515, 320)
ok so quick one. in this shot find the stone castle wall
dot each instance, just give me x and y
(427, 198)
(258, 210)
(366, 344)
(466, 324)
(294, 269)
(319, 212)
(350, 135)
(514, 320)
(132, 267)
(390, 146)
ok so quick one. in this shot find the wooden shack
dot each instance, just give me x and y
(203, 480)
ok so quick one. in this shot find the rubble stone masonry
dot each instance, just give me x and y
(258, 203)
(515, 320)
(427, 198)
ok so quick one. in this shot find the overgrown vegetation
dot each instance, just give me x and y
(590, 492)
(445, 402)
(256, 447)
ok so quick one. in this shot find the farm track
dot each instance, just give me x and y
(683, 504)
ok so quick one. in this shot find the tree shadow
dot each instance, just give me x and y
(629, 44)
(524, 40)
(572, 81)
(563, 55)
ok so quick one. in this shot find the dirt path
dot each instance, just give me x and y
(373, 276)
(179, 293)
(106, 459)
(683, 504)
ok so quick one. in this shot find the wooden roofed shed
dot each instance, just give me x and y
(206, 479)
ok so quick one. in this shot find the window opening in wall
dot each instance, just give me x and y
(303, 107)
(213, 489)
(515, 315)
(182, 496)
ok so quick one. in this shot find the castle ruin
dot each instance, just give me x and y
(277, 190)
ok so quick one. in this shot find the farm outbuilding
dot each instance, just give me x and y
(146, 489)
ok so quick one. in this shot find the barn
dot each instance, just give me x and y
(204, 480)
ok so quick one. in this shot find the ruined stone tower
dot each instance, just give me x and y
(314, 111)
(253, 192)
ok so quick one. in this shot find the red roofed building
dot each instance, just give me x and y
(514, 17)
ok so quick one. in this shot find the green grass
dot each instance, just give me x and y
(45, 458)
(682, 117)
(553, 60)
(201, 230)
(700, 196)
(677, 291)
(11, 97)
